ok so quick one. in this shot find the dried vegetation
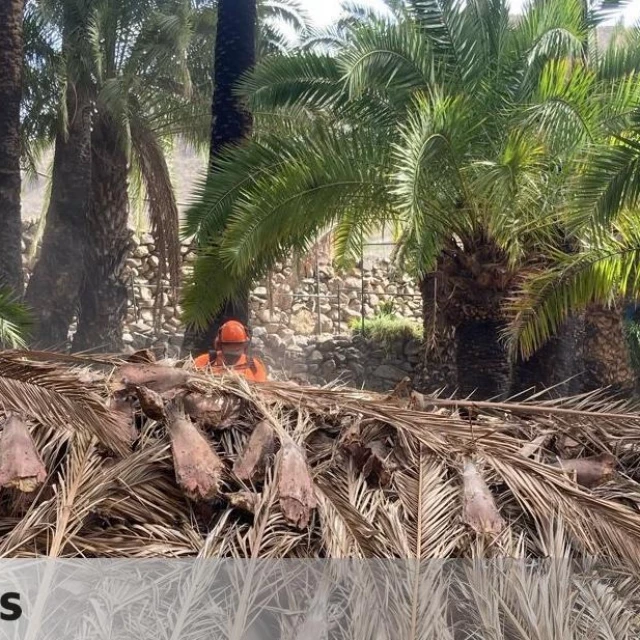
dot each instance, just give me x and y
(105, 458)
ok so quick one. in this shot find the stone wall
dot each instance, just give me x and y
(285, 306)
(299, 334)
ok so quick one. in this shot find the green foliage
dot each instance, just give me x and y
(456, 126)
(632, 332)
(15, 321)
(386, 327)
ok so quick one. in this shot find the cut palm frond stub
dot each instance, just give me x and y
(277, 470)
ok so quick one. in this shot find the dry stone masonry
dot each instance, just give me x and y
(301, 317)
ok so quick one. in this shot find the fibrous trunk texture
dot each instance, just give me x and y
(235, 55)
(607, 360)
(21, 466)
(438, 367)
(590, 472)
(556, 366)
(103, 297)
(197, 466)
(54, 286)
(11, 47)
(250, 465)
(479, 507)
(297, 495)
(484, 371)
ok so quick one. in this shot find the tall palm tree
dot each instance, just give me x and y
(235, 56)
(128, 91)
(596, 277)
(11, 48)
(52, 292)
(143, 84)
(446, 123)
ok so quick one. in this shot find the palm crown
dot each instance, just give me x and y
(452, 122)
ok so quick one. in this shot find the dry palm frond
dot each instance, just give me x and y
(355, 476)
(59, 397)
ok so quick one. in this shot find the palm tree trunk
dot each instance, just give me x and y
(607, 360)
(54, 286)
(103, 297)
(438, 367)
(555, 367)
(235, 55)
(11, 49)
(483, 367)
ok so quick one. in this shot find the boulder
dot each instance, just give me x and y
(390, 373)
(316, 357)
(259, 332)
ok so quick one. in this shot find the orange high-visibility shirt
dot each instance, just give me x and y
(255, 371)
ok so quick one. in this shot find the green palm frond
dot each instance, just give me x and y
(325, 175)
(610, 183)
(394, 59)
(15, 321)
(563, 109)
(307, 80)
(606, 269)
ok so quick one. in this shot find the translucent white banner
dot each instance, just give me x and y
(314, 599)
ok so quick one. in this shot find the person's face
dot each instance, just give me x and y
(233, 352)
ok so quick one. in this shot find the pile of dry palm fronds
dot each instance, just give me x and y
(106, 458)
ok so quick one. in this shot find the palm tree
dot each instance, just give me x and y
(235, 56)
(128, 91)
(447, 124)
(597, 277)
(11, 48)
(52, 292)
(143, 87)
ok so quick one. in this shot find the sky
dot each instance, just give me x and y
(323, 12)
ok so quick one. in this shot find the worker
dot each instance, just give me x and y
(231, 353)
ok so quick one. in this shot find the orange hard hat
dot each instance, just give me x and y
(233, 332)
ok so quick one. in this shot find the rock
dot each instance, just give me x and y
(326, 324)
(259, 332)
(261, 292)
(154, 261)
(140, 252)
(328, 368)
(299, 368)
(127, 338)
(353, 285)
(388, 372)
(413, 348)
(327, 345)
(316, 357)
(303, 322)
(264, 316)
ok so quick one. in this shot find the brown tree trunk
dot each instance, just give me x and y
(438, 368)
(235, 55)
(103, 297)
(556, 367)
(11, 50)
(484, 370)
(54, 286)
(607, 360)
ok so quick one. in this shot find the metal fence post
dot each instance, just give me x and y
(362, 313)
(319, 314)
(339, 310)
